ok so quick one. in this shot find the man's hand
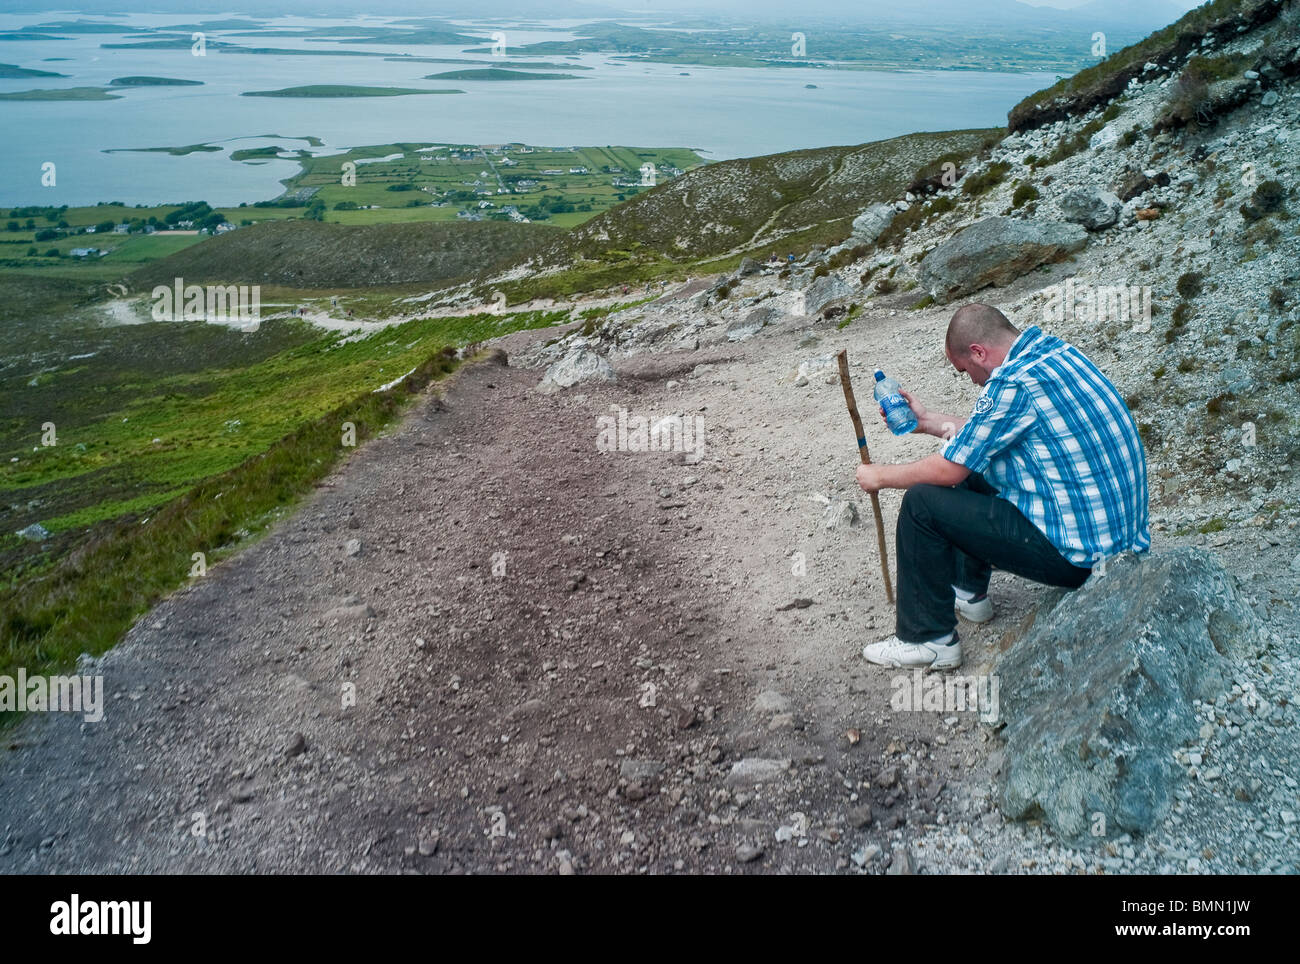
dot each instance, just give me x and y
(930, 423)
(919, 410)
(869, 478)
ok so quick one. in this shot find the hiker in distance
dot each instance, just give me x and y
(1044, 479)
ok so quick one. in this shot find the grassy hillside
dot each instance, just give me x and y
(743, 206)
(1099, 84)
(312, 254)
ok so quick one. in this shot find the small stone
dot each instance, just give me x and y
(868, 853)
(840, 515)
(684, 716)
(859, 817)
(795, 604)
(296, 747)
(901, 865)
(770, 701)
(756, 770)
(747, 853)
(640, 771)
(887, 777)
(353, 547)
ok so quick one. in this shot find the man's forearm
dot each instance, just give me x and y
(940, 425)
(931, 470)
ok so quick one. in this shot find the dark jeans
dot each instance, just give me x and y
(955, 536)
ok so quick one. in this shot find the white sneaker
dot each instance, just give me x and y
(977, 610)
(894, 652)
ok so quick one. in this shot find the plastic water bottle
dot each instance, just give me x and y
(898, 414)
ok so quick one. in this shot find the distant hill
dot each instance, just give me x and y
(314, 254)
(748, 204)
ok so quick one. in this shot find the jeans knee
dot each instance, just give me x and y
(917, 501)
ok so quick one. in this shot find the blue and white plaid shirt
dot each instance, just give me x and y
(1053, 436)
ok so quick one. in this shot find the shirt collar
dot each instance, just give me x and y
(1021, 344)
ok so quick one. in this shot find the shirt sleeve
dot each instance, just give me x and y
(1001, 417)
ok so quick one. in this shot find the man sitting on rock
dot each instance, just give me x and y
(1046, 477)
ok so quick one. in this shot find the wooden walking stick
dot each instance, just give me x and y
(866, 460)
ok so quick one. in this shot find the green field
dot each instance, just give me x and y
(130, 248)
(441, 180)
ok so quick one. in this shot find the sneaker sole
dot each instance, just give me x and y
(895, 664)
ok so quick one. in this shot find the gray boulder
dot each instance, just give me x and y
(996, 251)
(1092, 208)
(840, 515)
(655, 329)
(748, 266)
(822, 291)
(34, 532)
(871, 223)
(752, 323)
(1098, 695)
(578, 366)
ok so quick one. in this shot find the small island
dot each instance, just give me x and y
(67, 93)
(14, 72)
(343, 90)
(497, 73)
(174, 151)
(153, 82)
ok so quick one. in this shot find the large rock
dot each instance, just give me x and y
(823, 291)
(752, 323)
(34, 532)
(871, 223)
(1092, 208)
(1098, 694)
(578, 366)
(996, 251)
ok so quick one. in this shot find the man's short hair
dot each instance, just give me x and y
(977, 324)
